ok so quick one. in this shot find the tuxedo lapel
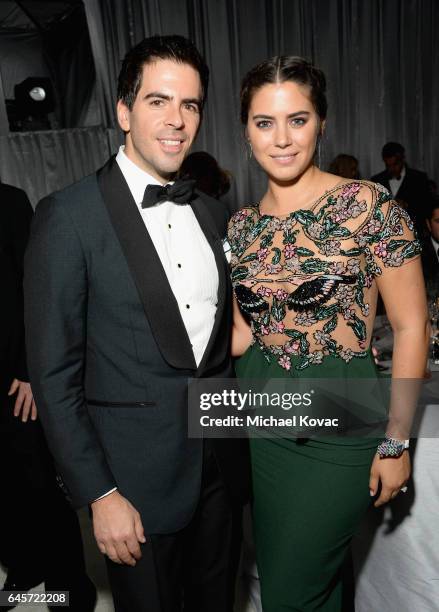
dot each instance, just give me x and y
(385, 182)
(158, 300)
(207, 224)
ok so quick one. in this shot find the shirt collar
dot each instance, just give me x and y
(136, 178)
(401, 176)
(435, 244)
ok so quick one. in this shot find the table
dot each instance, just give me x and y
(396, 554)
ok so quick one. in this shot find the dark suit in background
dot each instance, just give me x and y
(40, 539)
(430, 249)
(430, 267)
(413, 190)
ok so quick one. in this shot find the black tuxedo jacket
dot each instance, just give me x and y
(109, 356)
(430, 266)
(15, 219)
(413, 190)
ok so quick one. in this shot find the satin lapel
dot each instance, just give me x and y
(212, 358)
(158, 300)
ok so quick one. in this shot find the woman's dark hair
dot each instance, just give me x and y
(280, 69)
(343, 164)
(175, 48)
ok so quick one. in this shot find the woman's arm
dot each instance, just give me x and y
(403, 293)
(241, 332)
(404, 296)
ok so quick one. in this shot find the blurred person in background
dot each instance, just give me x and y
(40, 538)
(430, 249)
(409, 187)
(209, 177)
(345, 165)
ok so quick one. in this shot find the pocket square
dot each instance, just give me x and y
(227, 250)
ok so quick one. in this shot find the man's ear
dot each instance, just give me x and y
(123, 116)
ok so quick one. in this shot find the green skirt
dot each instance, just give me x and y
(309, 498)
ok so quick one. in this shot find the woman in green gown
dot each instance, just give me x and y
(307, 264)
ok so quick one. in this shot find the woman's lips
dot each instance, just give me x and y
(284, 160)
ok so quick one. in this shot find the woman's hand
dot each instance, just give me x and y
(392, 472)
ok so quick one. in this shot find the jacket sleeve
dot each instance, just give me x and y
(55, 289)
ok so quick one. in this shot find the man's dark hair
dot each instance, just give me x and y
(391, 149)
(280, 69)
(176, 48)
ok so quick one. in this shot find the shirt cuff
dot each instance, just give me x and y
(105, 494)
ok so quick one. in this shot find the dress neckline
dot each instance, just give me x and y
(313, 204)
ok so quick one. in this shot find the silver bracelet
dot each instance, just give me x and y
(392, 447)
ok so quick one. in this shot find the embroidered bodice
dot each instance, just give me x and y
(306, 281)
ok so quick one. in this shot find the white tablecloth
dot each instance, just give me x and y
(396, 553)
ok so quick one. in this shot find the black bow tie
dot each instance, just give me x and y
(181, 192)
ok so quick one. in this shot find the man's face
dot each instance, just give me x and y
(164, 121)
(433, 224)
(394, 165)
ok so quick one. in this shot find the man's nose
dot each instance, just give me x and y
(174, 117)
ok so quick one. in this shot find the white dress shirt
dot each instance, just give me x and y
(185, 254)
(395, 183)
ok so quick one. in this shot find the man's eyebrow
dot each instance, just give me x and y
(291, 116)
(162, 96)
(157, 94)
(196, 101)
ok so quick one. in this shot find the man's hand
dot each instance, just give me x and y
(25, 400)
(393, 474)
(118, 528)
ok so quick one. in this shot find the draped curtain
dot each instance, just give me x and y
(380, 57)
(42, 162)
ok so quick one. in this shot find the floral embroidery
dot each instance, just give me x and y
(305, 279)
(264, 291)
(290, 251)
(285, 362)
(262, 254)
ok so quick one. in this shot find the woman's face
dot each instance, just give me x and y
(282, 129)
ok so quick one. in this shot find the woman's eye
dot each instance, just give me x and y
(263, 124)
(298, 122)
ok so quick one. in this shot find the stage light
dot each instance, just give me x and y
(34, 100)
(34, 96)
(37, 94)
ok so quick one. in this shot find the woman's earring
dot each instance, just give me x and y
(319, 151)
(250, 150)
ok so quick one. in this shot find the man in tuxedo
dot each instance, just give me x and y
(430, 249)
(127, 297)
(40, 538)
(409, 187)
